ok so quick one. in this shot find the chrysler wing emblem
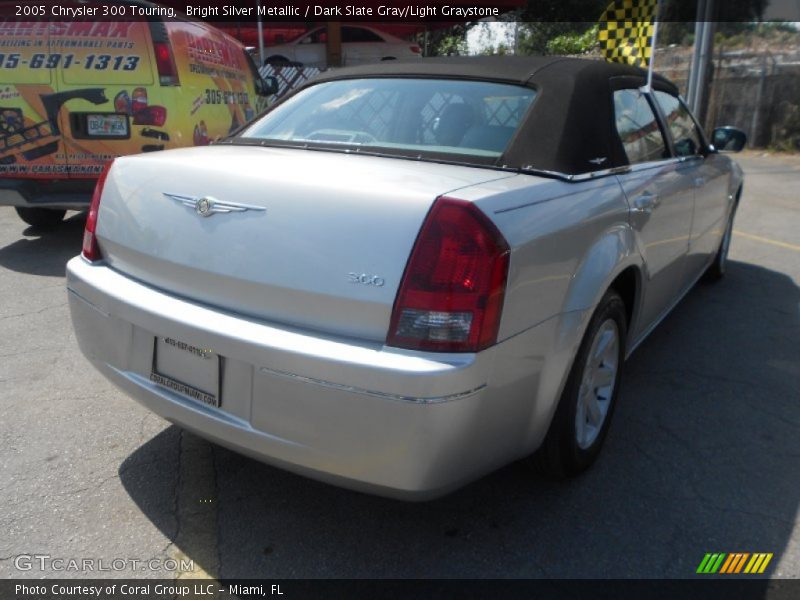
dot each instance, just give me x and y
(206, 206)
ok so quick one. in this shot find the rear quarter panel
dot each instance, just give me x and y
(568, 241)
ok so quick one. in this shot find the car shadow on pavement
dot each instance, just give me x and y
(45, 252)
(702, 457)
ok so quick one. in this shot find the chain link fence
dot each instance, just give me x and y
(756, 91)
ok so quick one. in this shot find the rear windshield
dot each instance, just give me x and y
(470, 120)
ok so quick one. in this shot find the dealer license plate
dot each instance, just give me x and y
(187, 370)
(107, 125)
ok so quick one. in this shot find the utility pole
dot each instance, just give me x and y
(333, 45)
(261, 54)
(697, 95)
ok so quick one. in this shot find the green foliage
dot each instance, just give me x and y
(574, 43)
(570, 26)
(451, 45)
(674, 32)
(554, 37)
(746, 34)
(450, 41)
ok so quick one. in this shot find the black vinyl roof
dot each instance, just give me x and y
(569, 126)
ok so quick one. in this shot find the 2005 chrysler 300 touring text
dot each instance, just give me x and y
(404, 276)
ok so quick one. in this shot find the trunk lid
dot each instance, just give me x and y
(316, 240)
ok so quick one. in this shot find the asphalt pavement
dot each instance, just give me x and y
(703, 454)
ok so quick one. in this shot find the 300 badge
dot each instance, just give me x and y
(365, 279)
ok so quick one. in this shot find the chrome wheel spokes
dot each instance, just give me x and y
(597, 385)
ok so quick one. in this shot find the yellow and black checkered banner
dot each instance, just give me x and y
(626, 31)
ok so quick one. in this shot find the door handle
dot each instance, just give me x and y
(646, 203)
(699, 182)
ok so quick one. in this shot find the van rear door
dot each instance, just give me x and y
(105, 80)
(30, 138)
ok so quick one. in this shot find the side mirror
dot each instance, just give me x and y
(267, 86)
(729, 139)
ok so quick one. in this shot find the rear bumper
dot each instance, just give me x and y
(68, 194)
(397, 423)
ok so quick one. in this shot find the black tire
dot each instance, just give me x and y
(719, 267)
(388, 58)
(277, 60)
(561, 455)
(41, 218)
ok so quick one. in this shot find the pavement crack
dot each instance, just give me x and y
(37, 351)
(95, 486)
(33, 312)
(195, 505)
(176, 494)
(141, 426)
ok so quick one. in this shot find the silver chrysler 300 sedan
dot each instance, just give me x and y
(404, 276)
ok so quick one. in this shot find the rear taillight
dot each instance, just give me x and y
(416, 49)
(150, 115)
(91, 251)
(165, 64)
(451, 296)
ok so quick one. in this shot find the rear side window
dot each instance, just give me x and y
(638, 128)
(684, 131)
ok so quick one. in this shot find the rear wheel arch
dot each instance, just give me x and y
(608, 259)
(624, 280)
(565, 451)
(628, 285)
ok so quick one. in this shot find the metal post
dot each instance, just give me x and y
(261, 53)
(333, 44)
(651, 65)
(704, 48)
(755, 123)
(691, 84)
(706, 55)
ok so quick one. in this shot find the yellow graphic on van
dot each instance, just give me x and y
(77, 94)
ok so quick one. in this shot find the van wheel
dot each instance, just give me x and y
(388, 58)
(277, 61)
(41, 218)
(587, 404)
